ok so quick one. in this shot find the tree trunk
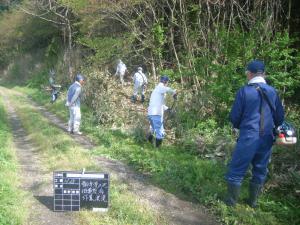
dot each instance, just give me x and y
(153, 68)
(70, 50)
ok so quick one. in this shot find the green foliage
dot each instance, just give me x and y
(28, 69)
(106, 49)
(21, 34)
(10, 37)
(98, 94)
(15, 72)
(40, 78)
(283, 64)
(208, 141)
(168, 72)
(76, 5)
(141, 129)
(223, 74)
(159, 40)
(36, 34)
(53, 52)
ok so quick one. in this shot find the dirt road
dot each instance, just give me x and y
(35, 180)
(177, 211)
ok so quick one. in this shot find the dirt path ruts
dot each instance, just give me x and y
(35, 180)
(178, 212)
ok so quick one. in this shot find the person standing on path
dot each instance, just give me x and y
(73, 102)
(256, 111)
(121, 70)
(140, 81)
(156, 110)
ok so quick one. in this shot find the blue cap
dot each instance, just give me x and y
(164, 79)
(256, 66)
(79, 77)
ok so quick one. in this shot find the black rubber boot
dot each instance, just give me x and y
(254, 192)
(143, 99)
(150, 138)
(233, 192)
(158, 142)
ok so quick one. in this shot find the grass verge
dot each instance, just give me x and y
(12, 199)
(59, 152)
(182, 173)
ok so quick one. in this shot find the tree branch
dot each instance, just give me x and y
(40, 17)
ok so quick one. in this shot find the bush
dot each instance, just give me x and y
(141, 128)
(99, 95)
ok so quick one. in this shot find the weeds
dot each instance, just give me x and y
(13, 208)
(186, 173)
(60, 152)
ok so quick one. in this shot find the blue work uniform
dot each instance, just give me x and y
(73, 102)
(255, 141)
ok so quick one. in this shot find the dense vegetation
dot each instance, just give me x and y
(202, 45)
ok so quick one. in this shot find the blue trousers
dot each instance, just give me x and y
(157, 126)
(250, 149)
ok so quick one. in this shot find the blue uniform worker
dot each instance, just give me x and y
(255, 119)
(73, 102)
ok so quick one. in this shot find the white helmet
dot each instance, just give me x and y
(140, 69)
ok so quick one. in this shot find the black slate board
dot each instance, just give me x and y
(75, 190)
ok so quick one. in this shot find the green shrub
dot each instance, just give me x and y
(99, 95)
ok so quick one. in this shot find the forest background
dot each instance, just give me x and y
(203, 45)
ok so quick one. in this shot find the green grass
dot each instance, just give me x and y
(182, 173)
(59, 152)
(13, 208)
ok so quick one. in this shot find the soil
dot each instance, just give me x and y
(34, 179)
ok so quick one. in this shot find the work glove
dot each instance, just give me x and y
(67, 104)
(236, 132)
(169, 110)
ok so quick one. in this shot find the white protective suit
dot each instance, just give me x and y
(157, 100)
(121, 70)
(156, 109)
(140, 80)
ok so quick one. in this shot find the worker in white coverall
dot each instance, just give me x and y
(140, 81)
(73, 102)
(52, 85)
(55, 88)
(156, 110)
(121, 70)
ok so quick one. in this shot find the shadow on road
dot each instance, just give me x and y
(46, 201)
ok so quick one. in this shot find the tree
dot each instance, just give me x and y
(60, 15)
